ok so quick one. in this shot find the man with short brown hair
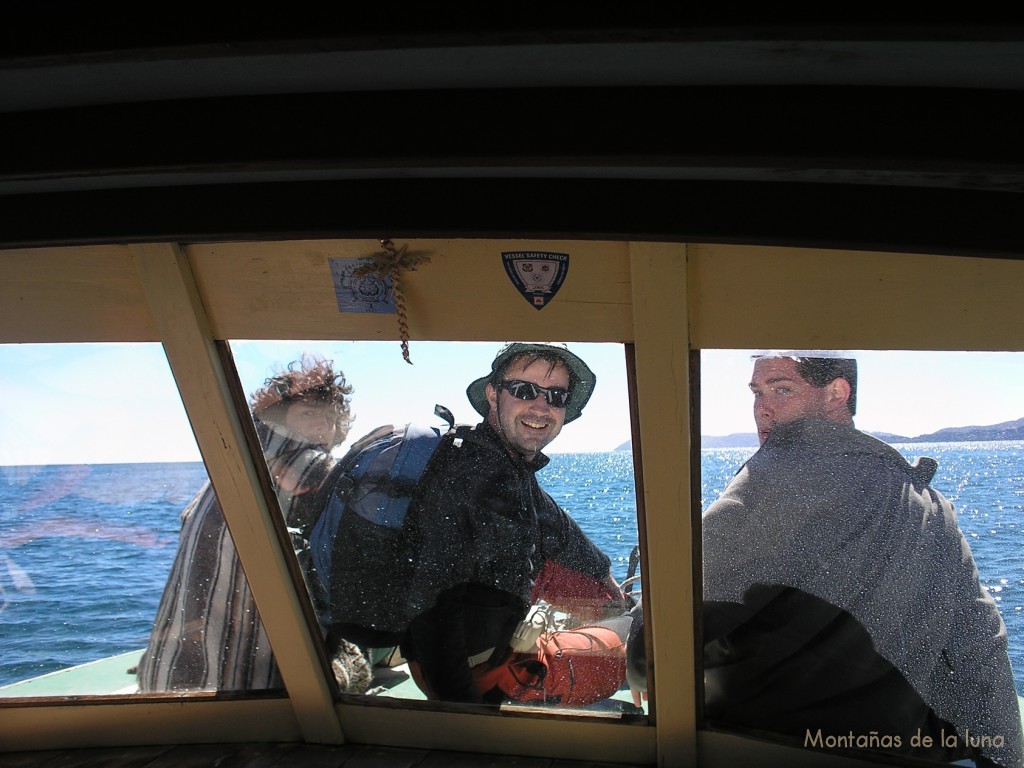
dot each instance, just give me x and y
(841, 598)
(482, 541)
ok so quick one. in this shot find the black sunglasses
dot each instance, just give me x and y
(527, 390)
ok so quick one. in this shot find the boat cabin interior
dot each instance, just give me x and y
(188, 180)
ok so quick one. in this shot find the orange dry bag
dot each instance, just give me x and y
(570, 667)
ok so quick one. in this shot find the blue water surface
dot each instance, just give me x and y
(84, 555)
(85, 550)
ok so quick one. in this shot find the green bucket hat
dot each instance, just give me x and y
(581, 380)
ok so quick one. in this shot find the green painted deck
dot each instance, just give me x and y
(115, 675)
(103, 677)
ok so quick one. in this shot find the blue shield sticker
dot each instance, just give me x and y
(537, 275)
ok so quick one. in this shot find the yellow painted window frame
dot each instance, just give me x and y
(665, 298)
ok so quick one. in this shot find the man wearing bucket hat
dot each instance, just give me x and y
(490, 542)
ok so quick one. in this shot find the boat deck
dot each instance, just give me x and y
(275, 756)
(113, 676)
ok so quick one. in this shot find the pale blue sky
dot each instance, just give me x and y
(390, 391)
(905, 393)
(100, 403)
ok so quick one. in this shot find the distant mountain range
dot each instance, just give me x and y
(1007, 430)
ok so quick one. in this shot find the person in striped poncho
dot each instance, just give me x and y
(207, 635)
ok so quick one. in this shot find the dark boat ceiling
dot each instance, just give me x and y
(119, 124)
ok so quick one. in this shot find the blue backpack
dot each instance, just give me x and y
(359, 558)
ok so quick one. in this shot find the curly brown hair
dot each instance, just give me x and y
(312, 379)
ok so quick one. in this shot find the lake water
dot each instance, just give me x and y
(85, 549)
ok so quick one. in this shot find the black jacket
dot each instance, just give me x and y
(482, 528)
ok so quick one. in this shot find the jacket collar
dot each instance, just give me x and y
(829, 437)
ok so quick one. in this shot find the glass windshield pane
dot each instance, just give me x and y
(97, 463)
(861, 536)
(440, 565)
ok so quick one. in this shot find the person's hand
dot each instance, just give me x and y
(285, 478)
(617, 605)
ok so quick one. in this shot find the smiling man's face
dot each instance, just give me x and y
(528, 425)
